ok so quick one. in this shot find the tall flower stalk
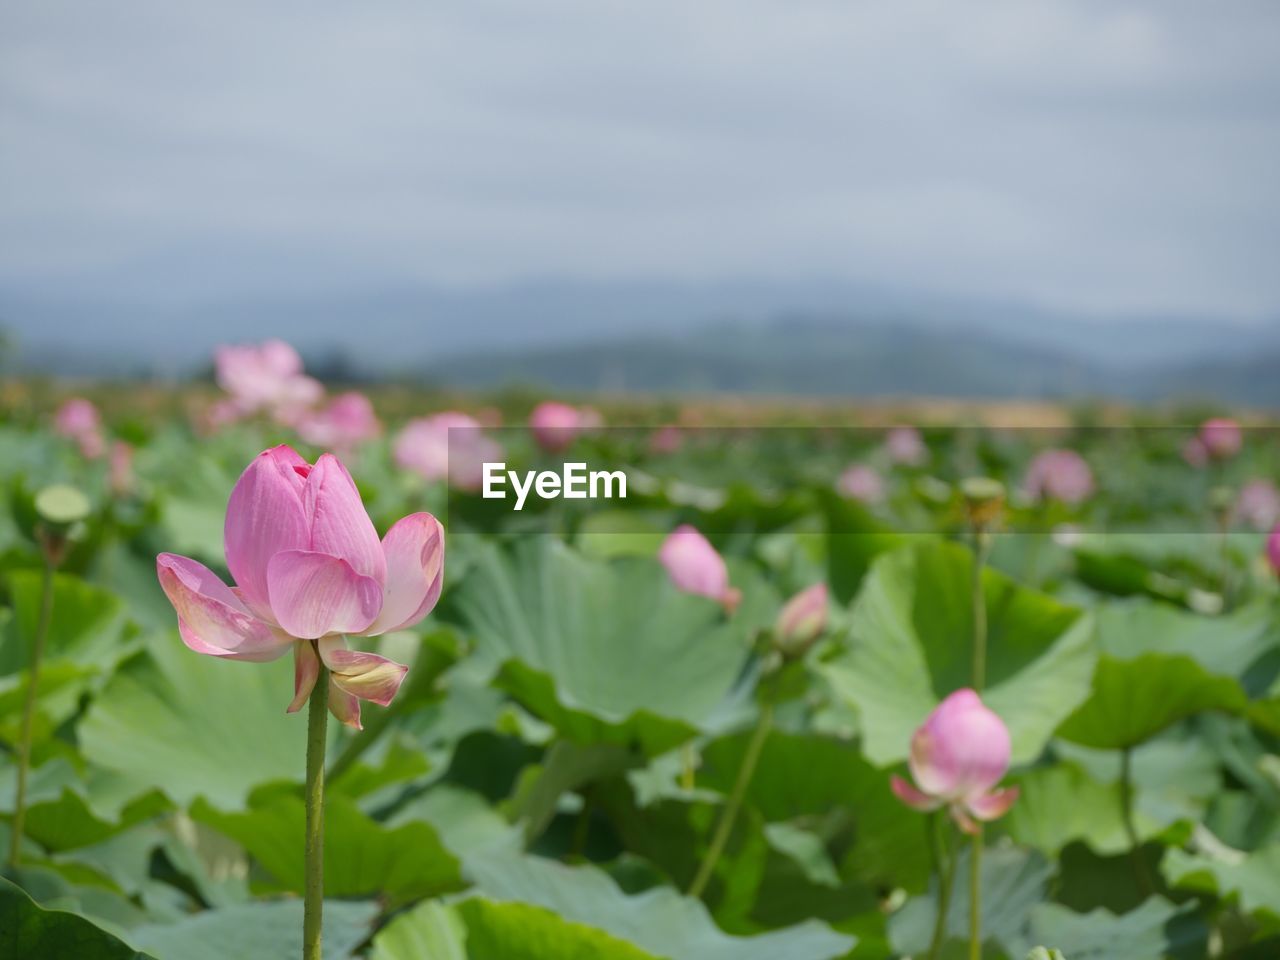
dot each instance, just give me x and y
(60, 509)
(985, 500)
(728, 816)
(799, 624)
(310, 571)
(313, 888)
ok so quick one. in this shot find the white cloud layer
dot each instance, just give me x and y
(1098, 156)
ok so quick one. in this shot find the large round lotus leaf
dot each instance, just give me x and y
(601, 649)
(660, 920)
(197, 726)
(911, 644)
(28, 930)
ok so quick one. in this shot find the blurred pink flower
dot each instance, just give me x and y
(1273, 549)
(78, 420)
(266, 378)
(860, 482)
(695, 567)
(120, 469)
(666, 440)
(906, 447)
(958, 755)
(309, 568)
(1258, 505)
(1194, 452)
(556, 425)
(1061, 475)
(345, 423)
(447, 445)
(802, 619)
(1221, 438)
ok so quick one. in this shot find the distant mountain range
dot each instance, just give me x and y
(803, 337)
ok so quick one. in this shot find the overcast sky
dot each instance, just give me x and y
(1103, 157)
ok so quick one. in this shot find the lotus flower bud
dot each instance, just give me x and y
(78, 420)
(1258, 505)
(801, 621)
(695, 567)
(906, 447)
(861, 483)
(1221, 438)
(61, 509)
(1195, 453)
(958, 755)
(556, 425)
(1061, 475)
(984, 501)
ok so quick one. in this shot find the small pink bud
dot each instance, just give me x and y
(1061, 475)
(666, 440)
(861, 483)
(1195, 453)
(556, 425)
(1258, 505)
(78, 420)
(120, 471)
(958, 755)
(1273, 550)
(1221, 438)
(695, 567)
(906, 447)
(802, 620)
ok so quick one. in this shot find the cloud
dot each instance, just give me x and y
(1099, 156)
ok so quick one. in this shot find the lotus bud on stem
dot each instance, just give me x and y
(61, 510)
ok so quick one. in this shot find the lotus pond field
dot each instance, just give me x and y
(822, 685)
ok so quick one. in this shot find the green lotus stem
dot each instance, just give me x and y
(1130, 828)
(975, 898)
(29, 710)
(730, 813)
(313, 890)
(981, 547)
(946, 866)
(688, 760)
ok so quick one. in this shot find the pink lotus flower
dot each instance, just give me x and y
(1258, 505)
(1061, 475)
(78, 420)
(906, 447)
(267, 378)
(958, 755)
(556, 425)
(861, 483)
(1221, 438)
(695, 567)
(344, 424)
(447, 445)
(308, 568)
(1273, 549)
(802, 619)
